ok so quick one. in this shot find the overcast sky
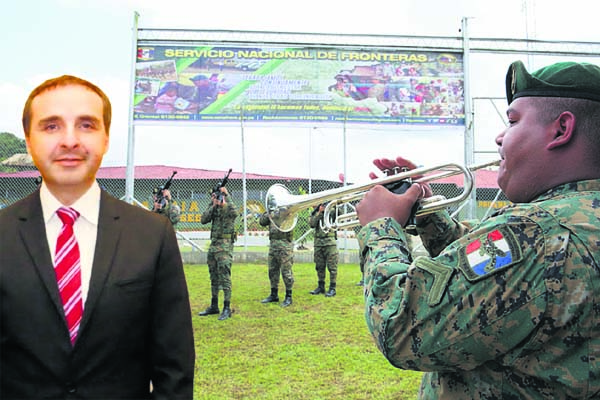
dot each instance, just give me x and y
(93, 39)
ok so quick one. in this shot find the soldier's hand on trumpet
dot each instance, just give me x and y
(397, 199)
(379, 202)
(393, 167)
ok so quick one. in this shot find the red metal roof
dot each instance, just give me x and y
(163, 171)
(157, 172)
(483, 179)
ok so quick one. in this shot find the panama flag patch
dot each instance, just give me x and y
(489, 253)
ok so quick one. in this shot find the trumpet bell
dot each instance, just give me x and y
(279, 206)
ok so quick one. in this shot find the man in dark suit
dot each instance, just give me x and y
(125, 331)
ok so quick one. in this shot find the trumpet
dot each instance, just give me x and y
(283, 207)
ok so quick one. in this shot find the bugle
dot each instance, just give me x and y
(283, 207)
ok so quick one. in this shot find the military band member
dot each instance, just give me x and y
(325, 253)
(506, 308)
(281, 260)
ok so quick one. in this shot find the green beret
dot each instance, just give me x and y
(564, 79)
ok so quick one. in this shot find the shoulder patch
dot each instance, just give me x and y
(489, 253)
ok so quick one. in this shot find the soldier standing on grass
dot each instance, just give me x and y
(325, 253)
(281, 260)
(222, 214)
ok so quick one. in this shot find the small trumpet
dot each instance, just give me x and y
(283, 207)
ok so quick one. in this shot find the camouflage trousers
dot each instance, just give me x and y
(326, 257)
(219, 267)
(280, 262)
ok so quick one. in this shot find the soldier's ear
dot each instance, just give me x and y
(562, 130)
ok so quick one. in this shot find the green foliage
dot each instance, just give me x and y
(318, 348)
(11, 145)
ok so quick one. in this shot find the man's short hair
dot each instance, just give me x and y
(61, 81)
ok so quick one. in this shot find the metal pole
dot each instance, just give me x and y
(130, 167)
(244, 192)
(468, 143)
(310, 131)
(345, 176)
(528, 18)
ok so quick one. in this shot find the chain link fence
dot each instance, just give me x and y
(191, 190)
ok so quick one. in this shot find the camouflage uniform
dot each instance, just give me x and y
(220, 252)
(281, 257)
(325, 253)
(505, 309)
(171, 210)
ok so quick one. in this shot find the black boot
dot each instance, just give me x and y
(331, 291)
(288, 299)
(361, 283)
(273, 297)
(226, 314)
(212, 309)
(320, 289)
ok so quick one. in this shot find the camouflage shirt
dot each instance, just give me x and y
(223, 223)
(508, 309)
(277, 239)
(322, 238)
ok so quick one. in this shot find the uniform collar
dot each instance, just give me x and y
(592, 185)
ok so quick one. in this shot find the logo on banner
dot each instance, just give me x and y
(145, 53)
(489, 253)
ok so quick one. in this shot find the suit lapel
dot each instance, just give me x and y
(32, 230)
(109, 231)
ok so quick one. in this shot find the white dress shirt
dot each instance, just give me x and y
(85, 228)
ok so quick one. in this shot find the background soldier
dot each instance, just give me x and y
(222, 214)
(281, 258)
(325, 253)
(164, 204)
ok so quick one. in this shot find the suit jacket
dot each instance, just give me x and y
(136, 325)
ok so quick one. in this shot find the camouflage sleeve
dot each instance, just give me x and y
(479, 299)
(207, 216)
(439, 229)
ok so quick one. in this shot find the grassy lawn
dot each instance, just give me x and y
(318, 348)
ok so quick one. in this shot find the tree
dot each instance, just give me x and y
(11, 145)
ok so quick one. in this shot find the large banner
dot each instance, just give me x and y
(178, 83)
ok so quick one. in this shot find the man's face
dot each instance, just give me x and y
(522, 152)
(67, 139)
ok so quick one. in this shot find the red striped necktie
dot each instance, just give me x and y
(67, 265)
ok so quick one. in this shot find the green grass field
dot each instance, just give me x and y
(318, 348)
